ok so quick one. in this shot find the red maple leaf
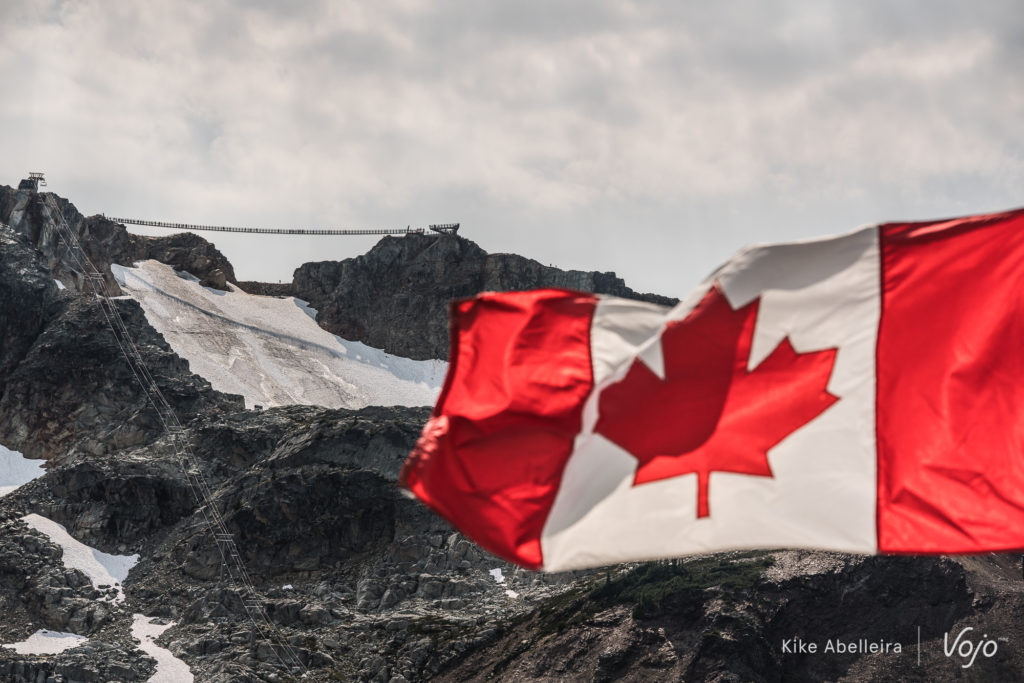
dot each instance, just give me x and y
(710, 414)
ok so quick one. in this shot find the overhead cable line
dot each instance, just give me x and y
(231, 559)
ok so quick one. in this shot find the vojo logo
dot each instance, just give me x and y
(968, 649)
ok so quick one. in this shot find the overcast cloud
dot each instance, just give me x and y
(649, 138)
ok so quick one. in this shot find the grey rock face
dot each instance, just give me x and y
(94, 662)
(63, 379)
(116, 502)
(396, 296)
(29, 298)
(33, 582)
(106, 242)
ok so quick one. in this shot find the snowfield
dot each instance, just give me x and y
(16, 469)
(169, 669)
(270, 350)
(44, 642)
(103, 569)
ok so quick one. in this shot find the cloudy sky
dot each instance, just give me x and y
(648, 138)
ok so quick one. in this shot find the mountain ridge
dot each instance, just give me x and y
(394, 297)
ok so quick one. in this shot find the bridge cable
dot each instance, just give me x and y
(231, 559)
(450, 228)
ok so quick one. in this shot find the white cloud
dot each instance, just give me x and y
(701, 126)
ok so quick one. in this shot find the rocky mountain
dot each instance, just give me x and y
(362, 582)
(395, 297)
(63, 384)
(358, 577)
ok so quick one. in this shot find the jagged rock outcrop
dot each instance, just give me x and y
(63, 379)
(33, 582)
(117, 502)
(396, 296)
(106, 242)
(29, 299)
(93, 662)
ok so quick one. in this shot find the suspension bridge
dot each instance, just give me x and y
(36, 180)
(443, 228)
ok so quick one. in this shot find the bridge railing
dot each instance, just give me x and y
(271, 231)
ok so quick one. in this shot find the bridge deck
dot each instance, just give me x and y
(270, 231)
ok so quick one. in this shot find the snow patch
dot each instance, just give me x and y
(60, 285)
(45, 642)
(16, 469)
(305, 307)
(497, 575)
(169, 669)
(511, 593)
(102, 568)
(270, 350)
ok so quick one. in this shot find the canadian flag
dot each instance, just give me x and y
(861, 394)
